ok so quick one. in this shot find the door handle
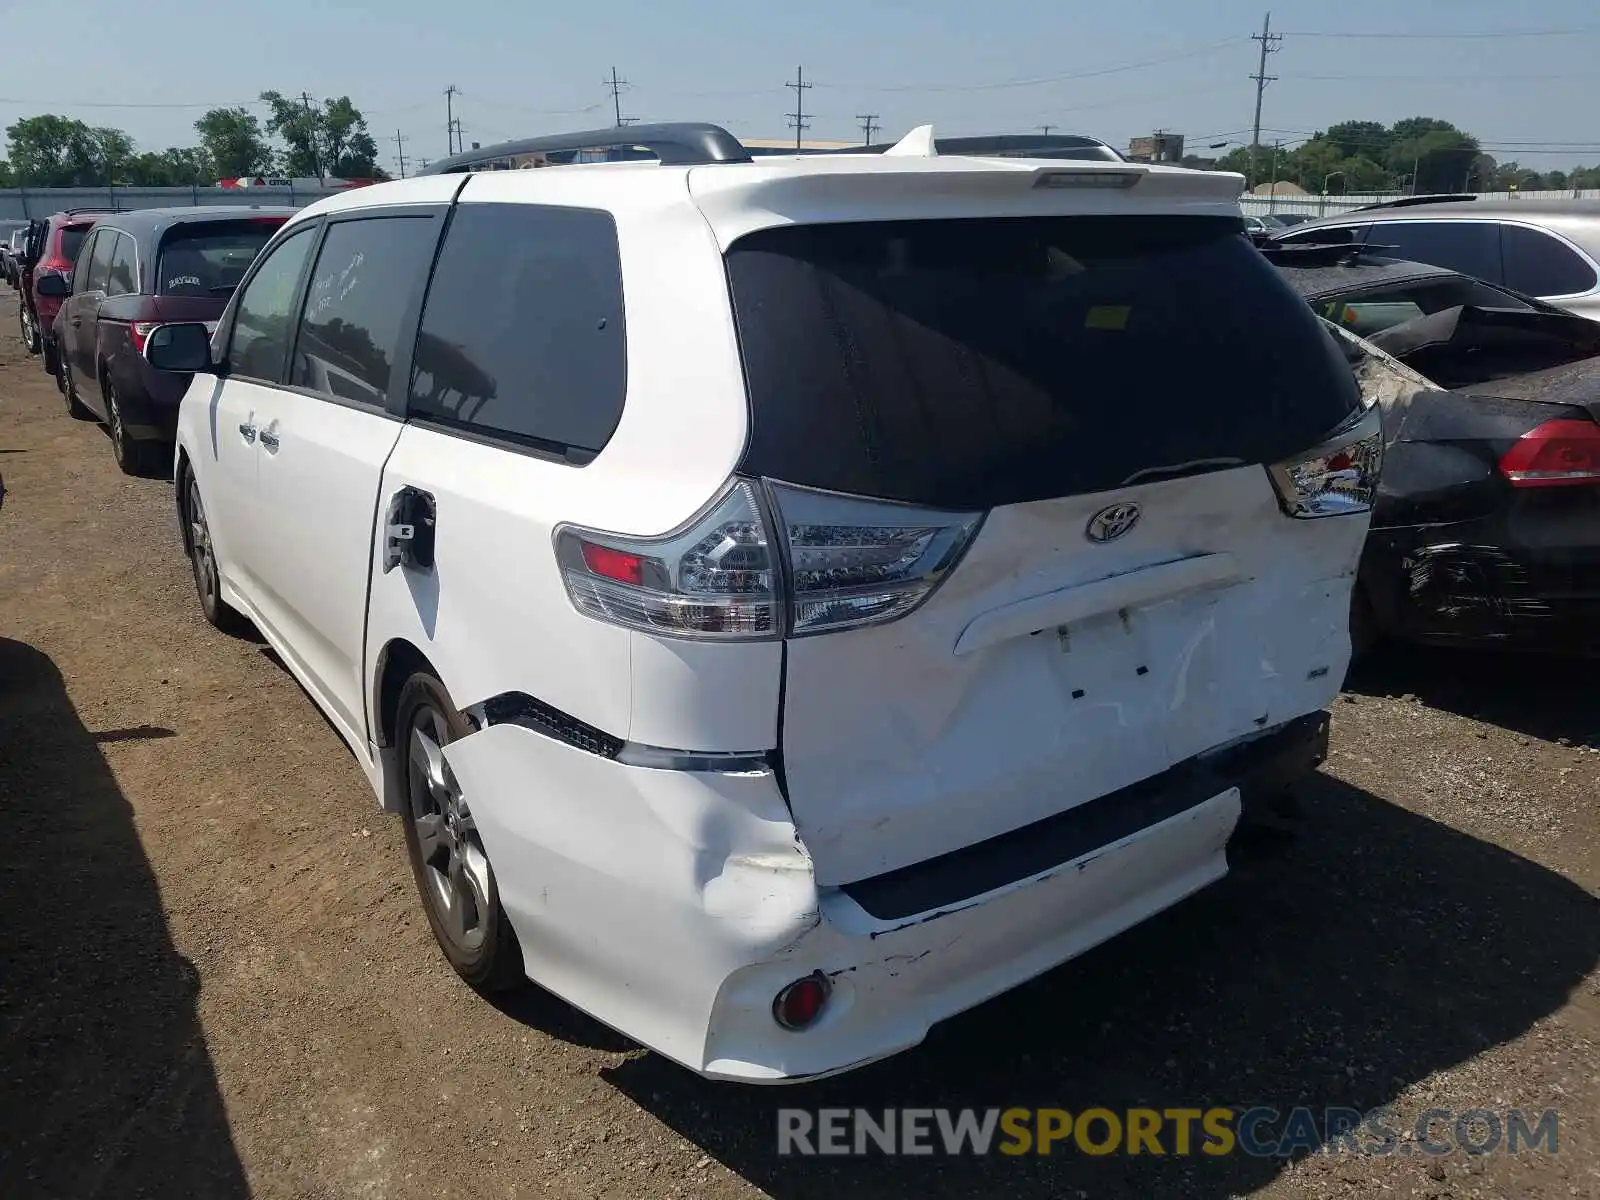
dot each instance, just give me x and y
(76, 321)
(249, 431)
(269, 439)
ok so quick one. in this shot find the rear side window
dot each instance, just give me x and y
(100, 262)
(1339, 235)
(209, 259)
(72, 240)
(123, 275)
(366, 276)
(1540, 265)
(1471, 247)
(522, 335)
(974, 363)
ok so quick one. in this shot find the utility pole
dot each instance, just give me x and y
(616, 85)
(1269, 45)
(311, 136)
(797, 119)
(400, 152)
(458, 141)
(1045, 129)
(869, 122)
(450, 94)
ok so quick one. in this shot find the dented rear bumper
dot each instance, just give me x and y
(673, 905)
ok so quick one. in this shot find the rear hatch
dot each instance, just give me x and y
(1066, 422)
(199, 264)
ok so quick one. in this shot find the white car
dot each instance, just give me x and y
(793, 601)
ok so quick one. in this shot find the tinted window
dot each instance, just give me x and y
(209, 259)
(100, 262)
(522, 334)
(1471, 247)
(72, 240)
(80, 264)
(1372, 310)
(261, 325)
(974, 363)
(123, 277)
(1541, 265)
(1341, 235)
(364, 281)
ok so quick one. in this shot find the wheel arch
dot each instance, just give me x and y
(180, 496)
(397, 662)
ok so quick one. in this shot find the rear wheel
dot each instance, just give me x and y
(30, 331)
(133, 456)
(207, 583)
(453, 875)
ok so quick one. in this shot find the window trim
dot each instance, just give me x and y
(541, 449)
(225, 327)
(394, 403)
(125, 236)
(1582, 254)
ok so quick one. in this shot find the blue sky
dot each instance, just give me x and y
(1005, 65)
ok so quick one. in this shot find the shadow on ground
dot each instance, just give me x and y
(1544, 697)
(106, 1087)
(1375, 950)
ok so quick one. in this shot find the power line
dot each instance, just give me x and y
(797, 119)
(1485, 34)
(869, 122)
(1270, 43)
(1040, 81)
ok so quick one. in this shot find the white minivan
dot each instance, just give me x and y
(788, 601)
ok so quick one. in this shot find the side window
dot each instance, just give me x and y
(105, 242)
(261, 323)
(80, 268)
(366, 275)
(1340, 235)
(522, 335)
(1540, 265)
(1471, 247)
(123, 276)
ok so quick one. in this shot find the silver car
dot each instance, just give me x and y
(1544, 248)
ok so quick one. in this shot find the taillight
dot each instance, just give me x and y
(141, 333)
(841, 562)
(1337, 478)
(1557, 454)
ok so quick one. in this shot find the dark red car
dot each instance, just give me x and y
(52, 246)
(138, 270)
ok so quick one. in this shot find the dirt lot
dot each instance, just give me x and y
(215, 979)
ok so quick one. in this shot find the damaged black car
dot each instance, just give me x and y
(1486, 529)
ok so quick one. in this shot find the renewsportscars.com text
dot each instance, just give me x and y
(1260, 1131)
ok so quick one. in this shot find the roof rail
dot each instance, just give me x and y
(1410, 201)
(1011, 145)
(677, 145)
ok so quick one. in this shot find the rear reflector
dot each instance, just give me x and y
(1562, 453)
(799, 1004)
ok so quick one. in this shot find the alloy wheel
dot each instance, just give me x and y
(457, 882)
(119, 445)
(205, 574)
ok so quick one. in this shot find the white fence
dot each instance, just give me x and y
(1318, 206)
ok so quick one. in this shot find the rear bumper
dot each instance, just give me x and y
(674, 905)
(1529, 584)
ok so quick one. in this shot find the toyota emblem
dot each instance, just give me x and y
(1112, 522)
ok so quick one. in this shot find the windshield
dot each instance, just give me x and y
(210, 259)
(975, 363)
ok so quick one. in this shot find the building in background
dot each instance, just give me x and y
(1159, 147)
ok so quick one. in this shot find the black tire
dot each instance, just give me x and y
(51, 360)
(76, 408)
(30, 332)
(133, 456)
(454, 880)
(1365, 632)
(197, 541)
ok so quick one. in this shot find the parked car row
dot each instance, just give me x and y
(790, 601)
(93, 283)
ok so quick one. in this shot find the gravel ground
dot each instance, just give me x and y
(215, 979)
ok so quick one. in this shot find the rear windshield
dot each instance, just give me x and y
(72, 241)
(975, 363)
(210, 259)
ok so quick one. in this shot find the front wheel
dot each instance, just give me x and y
(453, 875)
(76, 408)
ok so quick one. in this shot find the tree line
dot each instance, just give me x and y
(299, 139)
(1419, 154)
